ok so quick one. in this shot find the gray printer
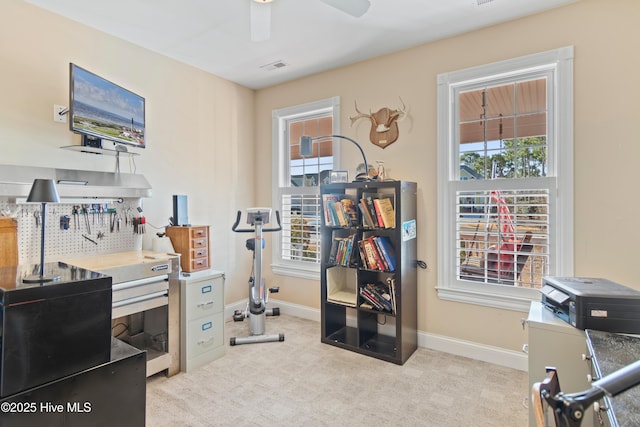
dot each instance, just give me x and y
(593, 303)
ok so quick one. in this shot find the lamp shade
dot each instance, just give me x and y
(43, 191)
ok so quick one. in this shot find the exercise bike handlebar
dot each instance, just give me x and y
(251, 230)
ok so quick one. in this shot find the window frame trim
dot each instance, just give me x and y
(279, 155)
(559, 62)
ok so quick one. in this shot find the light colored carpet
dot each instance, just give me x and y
(302, 382)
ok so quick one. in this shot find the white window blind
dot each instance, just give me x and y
(300, 227)
(502, 237)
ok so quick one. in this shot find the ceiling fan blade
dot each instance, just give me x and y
(260, 21)
(355, 8)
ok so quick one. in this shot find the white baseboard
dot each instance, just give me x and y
(486, 353)
(496, 355)
(288, 308)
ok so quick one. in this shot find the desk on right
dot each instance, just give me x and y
(610, 352)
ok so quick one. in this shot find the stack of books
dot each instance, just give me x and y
(377, 212)
(342, 250)
(377, 253)
(339, 210)
(379, 296)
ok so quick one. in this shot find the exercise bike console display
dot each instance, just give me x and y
(264, 214)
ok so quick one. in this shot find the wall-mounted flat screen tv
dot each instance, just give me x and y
(104, 110)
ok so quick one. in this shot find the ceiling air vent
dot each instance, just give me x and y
(274, 65)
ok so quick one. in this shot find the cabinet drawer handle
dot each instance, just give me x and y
(203, 342)
(204, 304)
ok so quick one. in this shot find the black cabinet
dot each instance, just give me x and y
(106, 395)
(52, 329)
(369, 272)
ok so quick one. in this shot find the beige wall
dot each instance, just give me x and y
(206, 133)
(605, 35)
(200, 127)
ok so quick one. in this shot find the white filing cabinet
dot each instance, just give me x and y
(555, 343)
(201, 318)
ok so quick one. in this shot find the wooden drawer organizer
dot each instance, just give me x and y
(193, 244)
(8, 241)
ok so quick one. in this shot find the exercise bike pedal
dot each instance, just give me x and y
(238, 316)
(274, 290)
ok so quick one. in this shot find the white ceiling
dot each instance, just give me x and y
(308, 36)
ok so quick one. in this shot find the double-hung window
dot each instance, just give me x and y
(505, 155)
(297, 180)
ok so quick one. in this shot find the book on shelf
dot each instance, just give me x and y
(341, 252)
(363, 256)
(387, 251)
(350, 210)
(383, 293)
(379, 261)
(377, 253)
(391, 282)
(377, 211)
(370, 258)
(377, 296)
(377, 220)
(386, 212)
(327, 201)
(367, 296)
(366, 214)
(339, 210)
(333, 253)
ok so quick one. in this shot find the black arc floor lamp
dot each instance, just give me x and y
(42, 191)
(307, 150)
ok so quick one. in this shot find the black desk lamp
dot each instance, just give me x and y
(42, 191)
(306, 150)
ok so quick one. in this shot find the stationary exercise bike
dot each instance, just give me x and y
(256, 310)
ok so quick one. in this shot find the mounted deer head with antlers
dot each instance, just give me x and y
(384, 124)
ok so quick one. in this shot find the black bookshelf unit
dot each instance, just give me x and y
(369, 268)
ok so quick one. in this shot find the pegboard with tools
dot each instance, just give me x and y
(76, 228)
